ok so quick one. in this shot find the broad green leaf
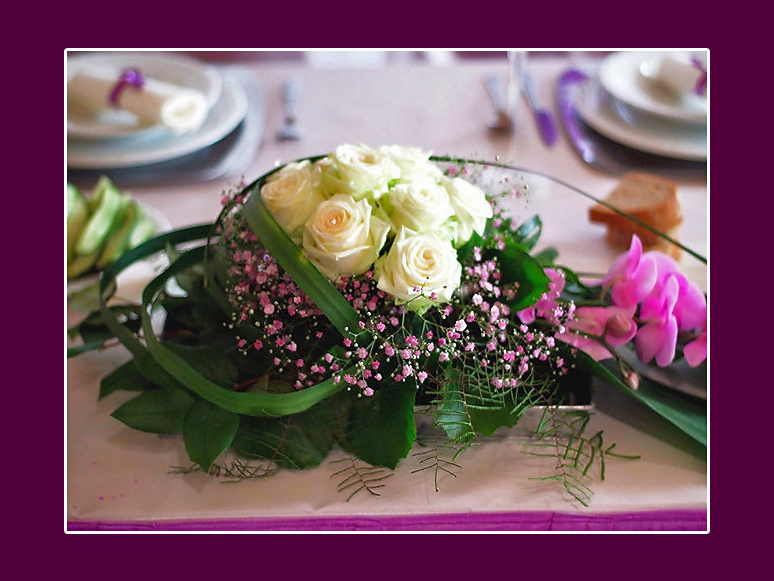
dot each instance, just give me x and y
(463, 414)
(517, 266)
(212, 363)
(297, 441)
(107, 284)
(207, 432)
(528, 233)
(150, 369)
(381, 430)
(84, 347)
(253, 404)
(488, 419)
(452, 415)
(688, 414)
(127, 377)
(160, 411)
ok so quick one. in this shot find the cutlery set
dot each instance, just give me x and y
(595, 148)
(503, 121)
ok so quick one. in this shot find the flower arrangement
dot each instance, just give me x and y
(337, 297)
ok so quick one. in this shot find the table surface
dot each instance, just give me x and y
(119, 479)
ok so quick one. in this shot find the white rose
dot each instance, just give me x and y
(291, 195)
(412, 161)
(419, 269)
(421, 205)
(358, 170)
(343, 237)
(471, 207)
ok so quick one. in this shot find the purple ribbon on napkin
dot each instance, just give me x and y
(131, 77)
(701, 86)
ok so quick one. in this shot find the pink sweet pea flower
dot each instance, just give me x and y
(614, 324)
(657, 338)
(631, 276)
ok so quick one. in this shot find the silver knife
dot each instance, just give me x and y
(544, 119)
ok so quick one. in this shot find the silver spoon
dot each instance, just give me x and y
(289, 129)
(503, 121)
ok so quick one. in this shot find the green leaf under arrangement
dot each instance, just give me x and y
(269, 357)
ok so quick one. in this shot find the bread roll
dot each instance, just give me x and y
(649, 198)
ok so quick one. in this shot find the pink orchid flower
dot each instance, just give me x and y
(631, 276)
(696, 351)
(613, 324)
(657, 338)
(690, 309)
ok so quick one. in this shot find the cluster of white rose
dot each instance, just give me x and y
(389, 209)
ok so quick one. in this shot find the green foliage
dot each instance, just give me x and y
(127, 377)
(208, 432)
(295, 441)
(576, 453)
(381, 429)
(160, 411)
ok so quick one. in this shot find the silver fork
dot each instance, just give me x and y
(289, 129)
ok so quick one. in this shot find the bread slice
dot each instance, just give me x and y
(649, 198)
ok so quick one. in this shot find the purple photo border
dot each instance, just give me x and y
(672, 520)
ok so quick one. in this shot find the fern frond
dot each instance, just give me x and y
(360, 476)
(233, 471)
(564, 432)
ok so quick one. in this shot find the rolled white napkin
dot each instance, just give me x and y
(680, 74)
(180, 109)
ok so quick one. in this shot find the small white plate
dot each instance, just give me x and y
(638, 130)
(168, 68)
(149, 147)
(620, 74)
(162, 225)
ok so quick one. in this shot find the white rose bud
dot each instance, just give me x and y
(421, 205)
(412, 161)
(470, 205)
(358, 170)
(343, 237)
(419, 270)
(291, 195)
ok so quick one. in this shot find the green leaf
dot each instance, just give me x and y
(208, 432)
(159, 411)
(288, 255)
(297, 441)
(452, 414)
(381, 430)
(210, 362)
(528, 233)
(465, 412)
(688, 414)
(253, 404)
(517, 266)
(127, 377)
(150, 369)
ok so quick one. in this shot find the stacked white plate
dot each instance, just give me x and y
(111, 138)
(627, 104)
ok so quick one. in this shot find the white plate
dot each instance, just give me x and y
(162, 225)
(173, 69)
(150, 147)
(638, 130)
(620, 74)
